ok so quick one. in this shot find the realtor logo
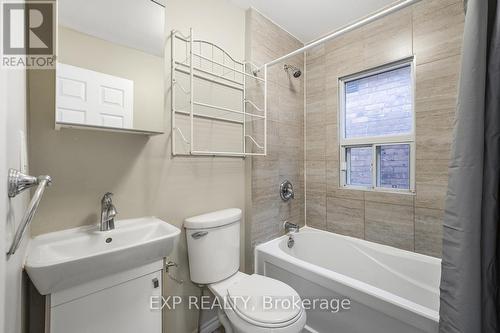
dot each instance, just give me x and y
(28, 34)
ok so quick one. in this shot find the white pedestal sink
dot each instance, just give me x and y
(64, 259)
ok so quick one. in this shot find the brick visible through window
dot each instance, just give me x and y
(360, 163)
(394, 166)
(379, 104)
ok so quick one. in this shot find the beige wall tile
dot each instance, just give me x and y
(390, 224)
(388, 39)
(344, 58)
(316, 210)
(265, 174)
(332, 143)
(337, 192)
(434, 134)
(285, 158)
(316, 176)
(428, 231)
(332, 176)
(345, 216)
(315, 53)
(346, 40)
(315, 144)
(438, 29)
(315, 76)
(315, 115)
(390, 198)
(432, 171)
(273, 100)
(437, 85)
(272, 138)
(332, 100)
(430, 195)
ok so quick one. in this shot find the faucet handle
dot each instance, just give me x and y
(106, 198)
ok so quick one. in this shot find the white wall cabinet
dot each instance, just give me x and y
(118, 303)
(90, 98)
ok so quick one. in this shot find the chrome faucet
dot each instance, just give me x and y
(108, 213)
(290, 227)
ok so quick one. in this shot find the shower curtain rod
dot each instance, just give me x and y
(355, 25)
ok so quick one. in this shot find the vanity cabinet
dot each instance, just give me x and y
(117, 303)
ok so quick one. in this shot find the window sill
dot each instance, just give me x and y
(378, 190)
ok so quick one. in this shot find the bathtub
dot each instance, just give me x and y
(389, 290)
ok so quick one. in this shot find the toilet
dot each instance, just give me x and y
(251, 303)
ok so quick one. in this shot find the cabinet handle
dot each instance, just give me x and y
(156, 283)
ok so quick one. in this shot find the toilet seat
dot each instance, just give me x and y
(247, 297)
(246, 294)
(249, 320)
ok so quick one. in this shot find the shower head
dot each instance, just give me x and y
(293, 70)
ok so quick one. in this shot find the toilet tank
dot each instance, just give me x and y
(213, 241)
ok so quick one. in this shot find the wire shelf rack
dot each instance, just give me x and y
(211, 104)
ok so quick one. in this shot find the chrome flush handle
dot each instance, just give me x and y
(199, 234)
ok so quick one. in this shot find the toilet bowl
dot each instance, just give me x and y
(249, 303)
(255, 303)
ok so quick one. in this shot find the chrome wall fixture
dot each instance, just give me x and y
(286, 190)
(296, 73)
(17, 183)
(172, 264)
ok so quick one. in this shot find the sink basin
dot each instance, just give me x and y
(67, 258)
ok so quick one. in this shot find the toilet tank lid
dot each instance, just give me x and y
(214, 219)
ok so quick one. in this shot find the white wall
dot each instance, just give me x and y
(218, 21)
(3, 194)
(14, 117)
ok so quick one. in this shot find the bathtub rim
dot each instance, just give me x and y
(272, 249)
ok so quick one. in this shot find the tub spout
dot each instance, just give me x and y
(290, 227)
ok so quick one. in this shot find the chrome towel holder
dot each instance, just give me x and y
(17, 183)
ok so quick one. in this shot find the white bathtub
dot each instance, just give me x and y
(390, 290)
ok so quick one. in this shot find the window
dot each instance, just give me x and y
(376, 132)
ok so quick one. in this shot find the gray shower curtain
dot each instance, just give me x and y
(469, 281)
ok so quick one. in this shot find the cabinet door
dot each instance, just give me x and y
(124, 308)
(86, 97)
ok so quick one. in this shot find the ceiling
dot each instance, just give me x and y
(308, 20)
(137, 24)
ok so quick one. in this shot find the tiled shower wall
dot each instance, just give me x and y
(285, 158)
(431, 31)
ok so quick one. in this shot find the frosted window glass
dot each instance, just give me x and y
(379, 104)
(394, 166)
(359, 161)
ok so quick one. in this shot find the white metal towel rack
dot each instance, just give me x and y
(228, 73)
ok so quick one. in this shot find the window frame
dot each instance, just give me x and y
(375, 141)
